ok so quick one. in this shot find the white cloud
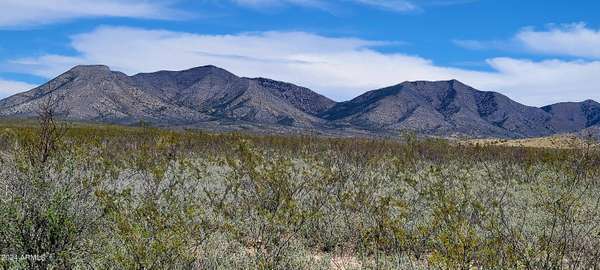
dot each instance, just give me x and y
(340, 68)
(18, 13)
(8, 87)
(544, 82)
(573, 40)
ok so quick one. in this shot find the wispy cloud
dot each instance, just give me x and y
(575, 40)
(472, 44)
(392, 5)
(277, 3)
(447, 2)
(503, 45)
(340, 68)
(389, 5)
(9, 87)
(23, 13)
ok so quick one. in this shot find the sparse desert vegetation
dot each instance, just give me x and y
(109, 197)
(564, 141)
(299, 134)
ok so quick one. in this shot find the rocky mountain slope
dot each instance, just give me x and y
(442, 108)
(222, 95)
(95, 93)
(203, 94)
(211, 97)
(574, 116)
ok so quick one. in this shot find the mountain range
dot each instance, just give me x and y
(212, 98)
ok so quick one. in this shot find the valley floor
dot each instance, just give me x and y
(86, 196)
(566, 141)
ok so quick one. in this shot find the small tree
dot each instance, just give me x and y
(50, 132)
(47, 210)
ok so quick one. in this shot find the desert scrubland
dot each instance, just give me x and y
(108, 197)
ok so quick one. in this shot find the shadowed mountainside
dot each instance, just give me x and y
(443, 108)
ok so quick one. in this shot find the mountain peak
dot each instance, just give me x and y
(452, 82)
(192, 74)
(208, 69)
(90, 68)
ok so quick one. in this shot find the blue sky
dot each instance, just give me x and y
(537, 52)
